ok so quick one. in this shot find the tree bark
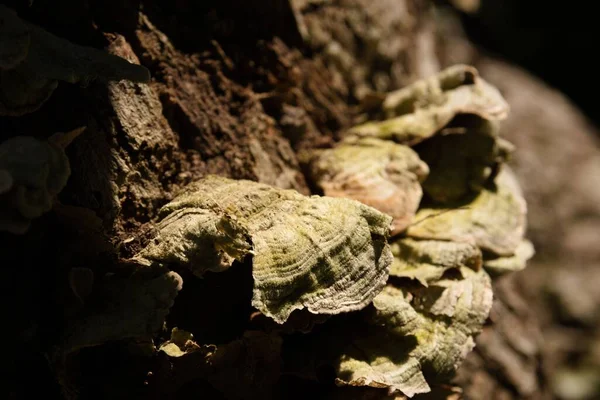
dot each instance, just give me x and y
(238, 89)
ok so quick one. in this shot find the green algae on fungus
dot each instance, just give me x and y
(419, 111)
(328, 255)
(378, 173)
(409, 339)
(32, 61)
(494, 220)
(32, 173)
(516, 262)
(428, 260)
(416, 339)
(451, 119)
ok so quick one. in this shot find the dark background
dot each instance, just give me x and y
(556, 40)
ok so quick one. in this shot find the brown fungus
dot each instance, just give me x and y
(378, 173)
(327, 255)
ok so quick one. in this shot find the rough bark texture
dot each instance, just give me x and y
(234, 91)
(237, 90)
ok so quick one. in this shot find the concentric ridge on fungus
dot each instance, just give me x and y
(379, 173)
(417, 333)
(417, 112)
(495, 219)
(328, 255)
(409, 339)
(413, 334)
(428, 260)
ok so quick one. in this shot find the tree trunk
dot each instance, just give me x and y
(239, 89)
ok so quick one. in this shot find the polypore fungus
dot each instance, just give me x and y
(409, 339)
(419, 111)
(379, 173)
(327, 255)
(494, 220)
(422, 325)
(419, 336)
(451, 120)
(428, 260)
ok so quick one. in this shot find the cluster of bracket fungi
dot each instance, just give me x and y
(417, 211)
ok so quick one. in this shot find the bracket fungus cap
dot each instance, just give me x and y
(328, 255)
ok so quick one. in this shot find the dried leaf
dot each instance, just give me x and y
(494, 219)
(516, 262)
(378, 173)
(418, 111)
(32, 60)
(324, 254)
(428, 260)
(33, 173)
(129, 307)
(415, 337)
